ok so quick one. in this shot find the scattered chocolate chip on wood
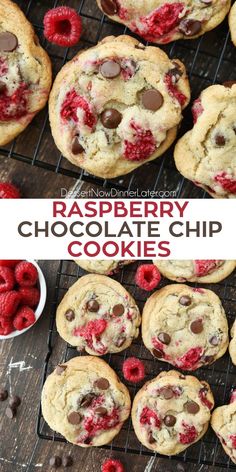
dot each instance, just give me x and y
(55, 461)
(3, 394)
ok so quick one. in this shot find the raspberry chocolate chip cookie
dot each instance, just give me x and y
(207, 154)
(117, 105)
(25, 72)
(84, 400)
(97, 314)
(203, 271)
(171, 412)
(161, 21)
(223, 422)
(105, 267)
(185, 326)
(232, 23)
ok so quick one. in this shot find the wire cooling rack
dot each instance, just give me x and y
(209, 59)
(220, 375)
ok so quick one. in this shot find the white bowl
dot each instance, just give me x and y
(41, 304)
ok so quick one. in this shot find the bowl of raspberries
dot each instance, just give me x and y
(22, 296)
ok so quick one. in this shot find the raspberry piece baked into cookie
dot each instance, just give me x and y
(223, 422)
(171, 412)
(25, 72)
(84, 400)
(105, 267)
(203, 271)
(185, 326)
(161, 21)
(97, 314)
(232, 23)
(117, 105)
(207, 154)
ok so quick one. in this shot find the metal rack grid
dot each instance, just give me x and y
(220, 375)
(209, 59)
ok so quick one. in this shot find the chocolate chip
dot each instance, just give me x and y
(214, 341)
(2, 87)
(157, 353)
(67, 461)
(76, 147)
(152, 99)
(60, 369)
(151, 439)
(110, 69)
(111, 118)
(120, 341)
(208, 359)
(220, 140)
(164, 338)
(192, 407)
(109, 7)
(190, 27)
(102, 384)
(74, 417)
(70, 315)
(185, 300)
(118, 310)
(101, 411)
(87, 400)
(8, 42)
(3, 395)
(229, 83)
(167, 393)
(10, 412)
(92, 305)
(55, 461)
(88, 440)
(169, 420)
(176, 72)
(196, 327)
(14, 401)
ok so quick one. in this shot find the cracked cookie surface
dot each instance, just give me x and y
(25, 72)
(207, 154)
(161, 21)
(232, 23)
(171, 412)
(104, 267)
(97, 314)
(84, 400)
(117, 105)
(185, 326)
(203, 271)
(223, 422)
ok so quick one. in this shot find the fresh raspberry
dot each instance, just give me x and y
(190, 360)
(9, 302)
(197, 109)
(24, 318)
(29, 296)
(161, 21)
(232, 437)
(6, 326)
(112, 465)
(13, 107)
(7, 279)
(147, 276)
(189, 435)
(226, 182)
(143, 146)
(204, 399)
(8, 190)
(62, 26)
(6, 263)
(205, 267)
(133, 369)
(70, 106)
(149, 417)
(26, 274)
(173, 90)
